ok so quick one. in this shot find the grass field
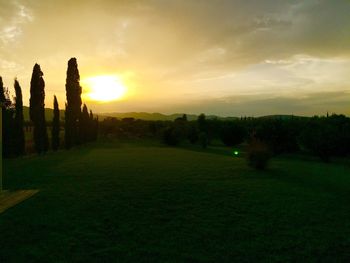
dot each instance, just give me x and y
(142, 202)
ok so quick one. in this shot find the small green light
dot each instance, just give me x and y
(236, 153)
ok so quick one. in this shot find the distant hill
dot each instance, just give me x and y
(135, 115)
(48, 114)
(156, 116)
(282, 117)
(146, 116)
(151, 116)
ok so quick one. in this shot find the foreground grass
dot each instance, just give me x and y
(145, 203)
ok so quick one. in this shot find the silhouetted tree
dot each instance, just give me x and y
(7, 121)
(258, 154)
(37, 109)
(85, 126)
(19, 142)
(192, 133)
(2, 92)
(96, 127)
(55, 139)
(203, 130)
(232, 134)
(280, 135)
(202, 123)
(203, 139)
(73, 105)
(170, 136)
(93, 124)
(4, 95)
(327, 136)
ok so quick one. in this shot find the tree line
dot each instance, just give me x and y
(322, 136)
(80, 125)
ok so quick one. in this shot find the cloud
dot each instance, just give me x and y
(260, 105)
(13, 16)
(183, 50)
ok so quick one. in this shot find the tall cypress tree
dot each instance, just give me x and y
(37, 109)
(55, 126)
(18, 121)
(93, 122)
(73, 108)
(85, 127)
(92, 126)
(2, 92)
(7, 121)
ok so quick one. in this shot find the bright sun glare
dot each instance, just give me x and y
(104, 88)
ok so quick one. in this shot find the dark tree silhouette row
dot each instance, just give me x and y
(80, 126)
(324, 137)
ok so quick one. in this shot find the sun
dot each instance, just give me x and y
(104, 88)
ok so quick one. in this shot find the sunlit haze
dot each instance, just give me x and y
(103, 88)
(229, 58)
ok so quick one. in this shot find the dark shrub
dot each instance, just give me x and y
(280, 135)
(232, 134)
(320, 136)
(193, 134)
(203, 139)
(258, 154)
(170, 136)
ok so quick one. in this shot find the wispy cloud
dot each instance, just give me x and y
(13, 16)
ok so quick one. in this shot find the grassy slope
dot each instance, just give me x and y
(144, 203)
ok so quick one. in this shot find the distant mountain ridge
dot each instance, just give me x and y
(48, 114)
(149, 116)
(156, 116)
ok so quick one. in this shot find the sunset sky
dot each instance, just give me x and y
(230, 58)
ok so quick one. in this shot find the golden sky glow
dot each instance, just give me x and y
(103, 88)
(225, 57)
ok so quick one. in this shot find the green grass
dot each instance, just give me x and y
(142, 202)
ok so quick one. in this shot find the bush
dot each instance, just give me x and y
(320, 137)
(203, 139)
(193, 134)
(170, 137)
(280, 135)
(232, 135)
(258, 154)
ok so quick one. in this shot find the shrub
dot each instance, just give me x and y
(203, 139)
(193, 134)
(232, 134)
(280, 135)
(170, 137)
(258, 154)
(320, 137)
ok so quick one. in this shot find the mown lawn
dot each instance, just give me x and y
(139, 202)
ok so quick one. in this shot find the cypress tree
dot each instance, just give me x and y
(95, 129)
(55, 126)
(73, 109)
(67, 135)
(7, 121)
(4, 95)
(85, 127)
(37, 109)
(2, 92)
(18, 121)
(92, 126)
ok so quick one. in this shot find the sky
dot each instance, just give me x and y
(223, 57)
